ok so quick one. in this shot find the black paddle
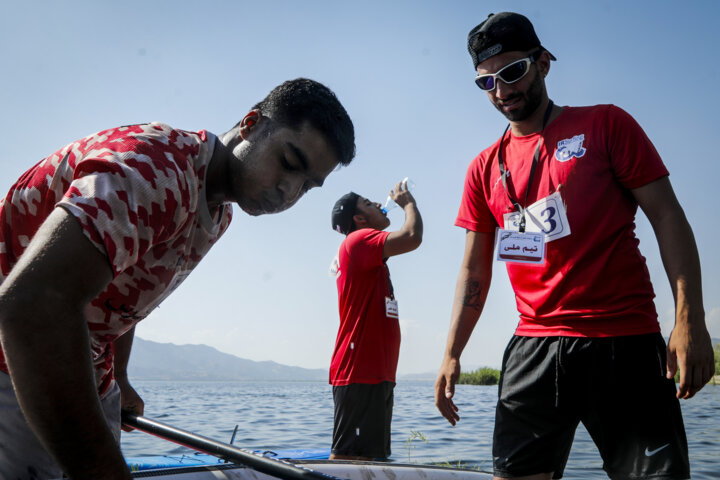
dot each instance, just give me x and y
(225, 451)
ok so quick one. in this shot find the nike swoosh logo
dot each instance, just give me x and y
(650, 453)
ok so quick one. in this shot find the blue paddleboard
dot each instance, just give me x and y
(149, 462)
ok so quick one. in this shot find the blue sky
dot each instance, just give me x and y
(402, 71)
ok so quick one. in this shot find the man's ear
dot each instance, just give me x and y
(543, 63)
(250, 123)
(360, 220)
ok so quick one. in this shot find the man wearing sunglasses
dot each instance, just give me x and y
(555, 198)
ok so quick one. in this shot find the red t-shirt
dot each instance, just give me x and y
(594, 281)
(138, 192)
(368, 340)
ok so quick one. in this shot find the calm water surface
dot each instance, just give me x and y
(278, 415)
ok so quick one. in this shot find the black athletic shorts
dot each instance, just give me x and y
(616, 386)
(363, 414)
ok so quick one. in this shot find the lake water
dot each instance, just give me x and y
(279, 415)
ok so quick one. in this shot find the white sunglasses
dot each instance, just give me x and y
(510, 73)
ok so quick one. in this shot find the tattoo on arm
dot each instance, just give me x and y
(473, 295)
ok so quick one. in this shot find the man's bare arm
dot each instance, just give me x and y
(409, 236)
(470, 293)
(46, 343)
(690, 347)
(130, 400)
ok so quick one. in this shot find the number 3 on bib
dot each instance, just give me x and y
(546, 216)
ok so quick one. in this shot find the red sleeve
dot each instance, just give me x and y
(364, 247)
(633, 157)
(474, 213)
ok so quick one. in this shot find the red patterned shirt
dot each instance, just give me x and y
(139, 194)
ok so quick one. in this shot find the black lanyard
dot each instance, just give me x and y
(548, 111)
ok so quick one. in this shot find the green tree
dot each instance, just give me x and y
(481, 376)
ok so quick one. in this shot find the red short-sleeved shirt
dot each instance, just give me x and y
(594, 281)
(139, 194)
(368, 340)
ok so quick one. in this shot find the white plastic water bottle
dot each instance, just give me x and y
(390, 203)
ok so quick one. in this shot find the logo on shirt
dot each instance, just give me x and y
(334, 270)
(569, 148)
(650, 453)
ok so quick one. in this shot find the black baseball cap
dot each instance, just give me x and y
(502, 32)
(343, 212)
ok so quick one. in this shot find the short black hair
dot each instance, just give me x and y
(303, 100)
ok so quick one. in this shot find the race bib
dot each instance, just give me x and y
(391, 307)
(516, 247)
(546, 216)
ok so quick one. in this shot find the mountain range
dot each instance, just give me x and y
(166, 361)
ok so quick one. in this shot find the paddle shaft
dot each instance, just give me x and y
(269, 466)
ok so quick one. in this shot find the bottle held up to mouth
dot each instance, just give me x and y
(390, 203)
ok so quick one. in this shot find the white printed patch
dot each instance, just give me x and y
(570, 148)
(334, 270)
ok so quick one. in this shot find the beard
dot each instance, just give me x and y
(532, 99)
